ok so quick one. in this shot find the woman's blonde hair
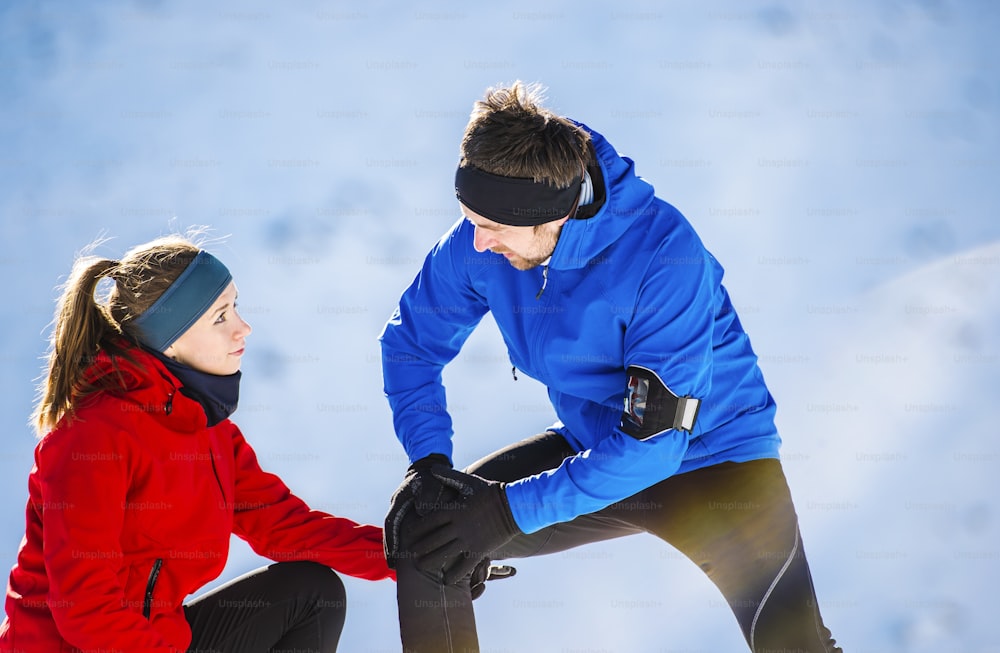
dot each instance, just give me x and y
(84, 325)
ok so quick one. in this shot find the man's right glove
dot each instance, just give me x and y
(419, 493)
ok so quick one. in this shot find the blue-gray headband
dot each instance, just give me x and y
(183, 302)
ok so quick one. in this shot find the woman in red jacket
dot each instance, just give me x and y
(140, 478)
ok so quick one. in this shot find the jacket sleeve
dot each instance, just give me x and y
(280, 526)
(670, 334)
(433, 320)
(83, 474)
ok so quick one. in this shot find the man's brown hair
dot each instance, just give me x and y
(512, 135)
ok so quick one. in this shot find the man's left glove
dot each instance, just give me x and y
(419, 493)
(453, 539)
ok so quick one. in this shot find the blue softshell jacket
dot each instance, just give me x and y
(631, 286)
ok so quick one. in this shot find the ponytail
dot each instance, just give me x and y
(82, 325)
(85, 327)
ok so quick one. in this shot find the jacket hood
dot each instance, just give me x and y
(146, 385)
(628, 199)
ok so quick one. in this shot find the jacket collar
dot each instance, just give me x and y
(217, 394)
(145, 383)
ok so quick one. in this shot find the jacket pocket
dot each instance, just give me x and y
(147, 600)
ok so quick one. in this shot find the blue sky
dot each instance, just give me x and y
(839, 159)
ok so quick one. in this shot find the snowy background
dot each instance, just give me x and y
(841, 159)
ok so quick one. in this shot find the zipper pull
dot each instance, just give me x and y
(147, 599)
(545, 281)
(513, 372)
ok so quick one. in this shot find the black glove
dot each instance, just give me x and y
(419, 493)
(487, 571)
(459, 533)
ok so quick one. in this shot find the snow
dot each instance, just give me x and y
(840, 161)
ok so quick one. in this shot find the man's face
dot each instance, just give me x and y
(524, 247)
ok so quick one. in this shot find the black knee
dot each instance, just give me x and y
(529, 456)
(317, 605)
(305, 578)
(315, 588)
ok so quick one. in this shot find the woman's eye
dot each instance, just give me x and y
(221, 318)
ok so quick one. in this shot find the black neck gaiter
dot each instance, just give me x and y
(217, 394)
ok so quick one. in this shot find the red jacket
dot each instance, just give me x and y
(130, 510)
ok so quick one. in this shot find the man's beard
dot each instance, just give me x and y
(519, 263)
(544, 246)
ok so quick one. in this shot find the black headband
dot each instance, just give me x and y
(514, 201)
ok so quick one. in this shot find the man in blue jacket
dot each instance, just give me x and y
(605, 294)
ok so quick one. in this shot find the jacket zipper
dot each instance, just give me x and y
(218, 481)
(545, 281)
(535, 344)
(154, 573)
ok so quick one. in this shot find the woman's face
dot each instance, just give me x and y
(215, 342)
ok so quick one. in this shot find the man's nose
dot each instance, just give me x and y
(481, 240)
